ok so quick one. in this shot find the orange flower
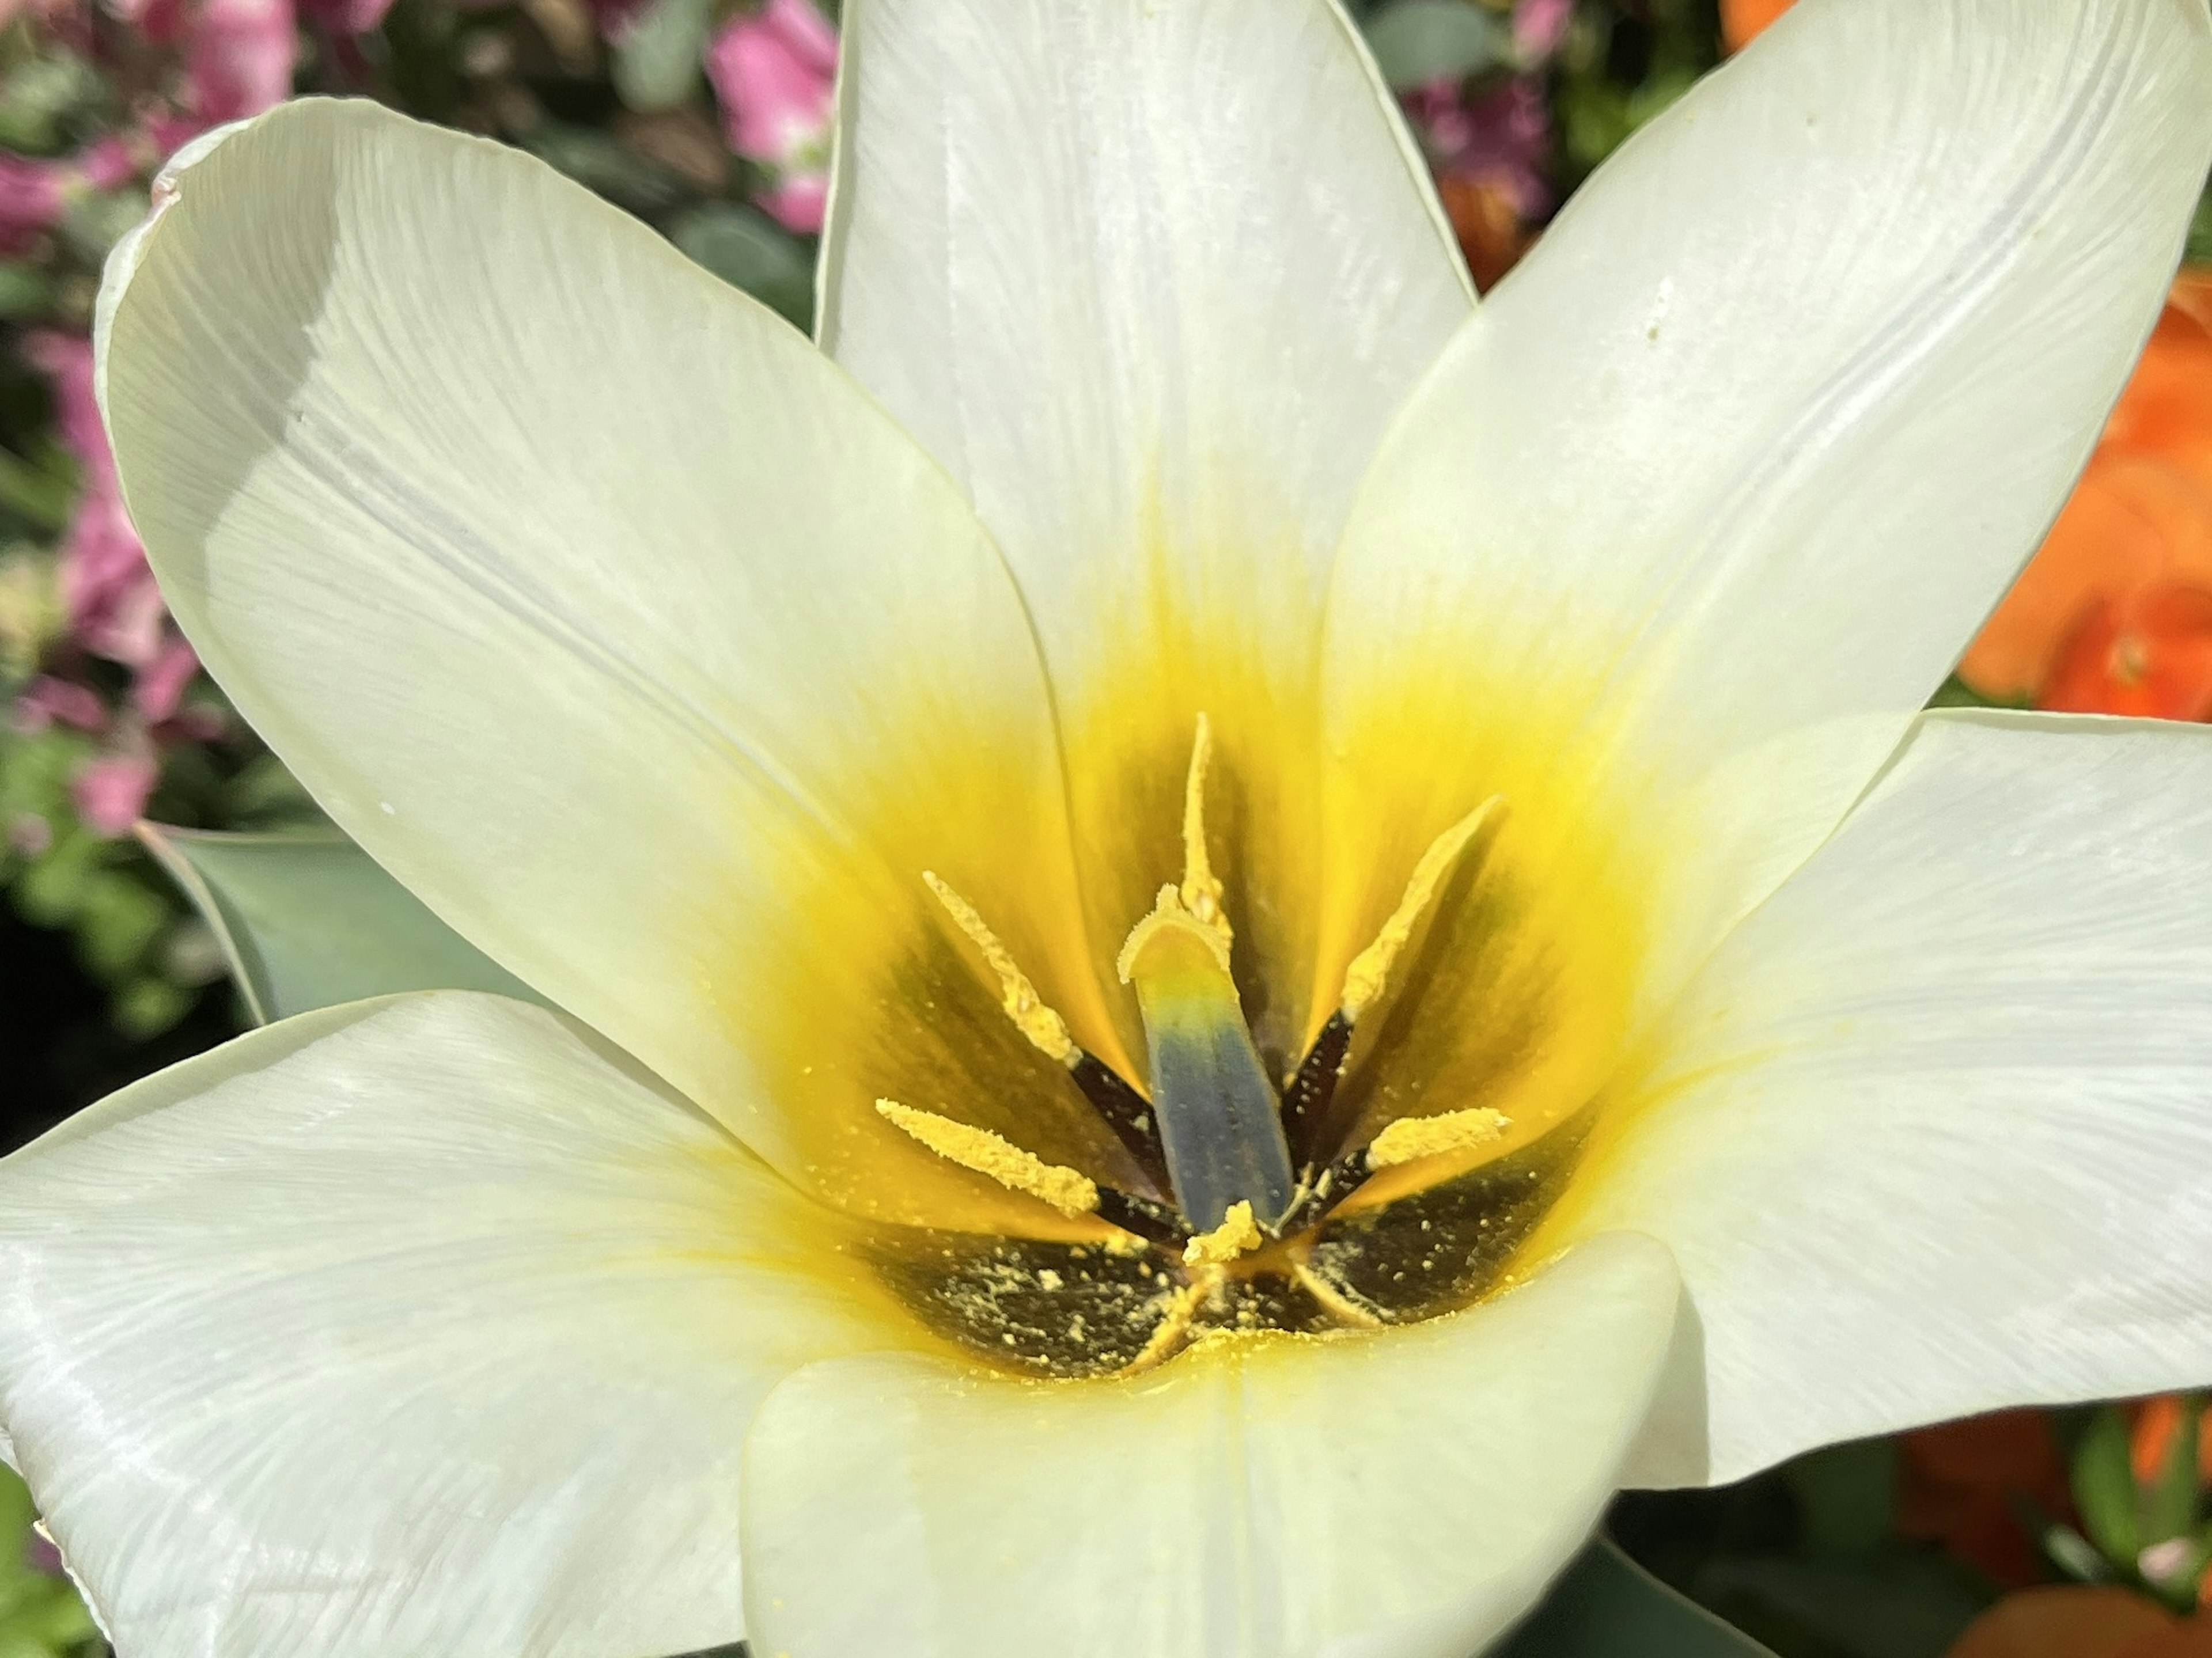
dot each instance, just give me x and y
(2156, 1421)
(2114, 615)
(1741, 19)
(1959, 1484)
(2082, 1621)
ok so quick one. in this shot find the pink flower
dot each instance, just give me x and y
(1539, 26)
(240, 56)
(160, 686)
(1500, 140)
(775, 73)
(31, 199)
(346, 17)
(66, 360)
(110, 793)
(50, 701)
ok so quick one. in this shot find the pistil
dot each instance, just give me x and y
(1220, 1119)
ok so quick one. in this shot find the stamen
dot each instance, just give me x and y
(1201, 889)
(1410, 1138)
(1168, 1334)
(1347, 1308)
(1046, 1029)
(1067, 1190)
(1237, 1234)
(1369, 976)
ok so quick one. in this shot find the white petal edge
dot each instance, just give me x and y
(1401, 1495)
(592, 601)
(1932, 1132)
(421, 1326)
(1148, 277)
(1724, 475)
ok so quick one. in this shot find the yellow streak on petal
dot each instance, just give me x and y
(1046, 1030)
(978, 1149)
(1238, 1235)
(1430, 1136)
(1369, 974)
(1201, 887)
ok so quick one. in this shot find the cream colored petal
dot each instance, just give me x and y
(1404, 1495)
(1701, 506)
(417, 1328)
(610, 619)
(1932, 1132)
(1149, 278)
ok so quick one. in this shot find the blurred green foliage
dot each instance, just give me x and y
(41, 1615)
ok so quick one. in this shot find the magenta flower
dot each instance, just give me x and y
(1539, 26)
(110, 793)
(775, 72)
(32, 197)
(346, 17)
(239, 55)
(48, 702)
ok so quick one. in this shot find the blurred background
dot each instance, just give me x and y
(2034, 1535)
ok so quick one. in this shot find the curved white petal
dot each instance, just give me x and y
(1719, 481)
(1932, 1132)
(1147, 276)
(434, 1333)
(596, 605)
(1404, 1495)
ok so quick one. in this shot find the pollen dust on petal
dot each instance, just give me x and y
(1428, 1137)
(1067, 1190)
(1239, 1233)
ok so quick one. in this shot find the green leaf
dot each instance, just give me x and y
(25, 293)
(2169, 1502)
(657, 60)
(1846, 1498)
(746, 250)
(2200, 233)
(2104, 1488)
(309, 920)
(1899, 1605)
(1608, 1606)
(603, 164)
(1418, 40)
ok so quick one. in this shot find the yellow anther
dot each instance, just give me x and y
(1201, 887)
(1046, 1030)
(978, 1149)
(1369, 976)
(1431, 1137)
(1238, 1235)
(1349, 1307)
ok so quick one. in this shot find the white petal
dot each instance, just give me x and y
(1933, 1130)
(603, 610)
(1149, 278)
(1403, 1495)
(434, 1333)
(1719, 483)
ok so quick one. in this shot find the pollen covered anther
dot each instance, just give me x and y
(1239, 1233)
(1412, 1138)
(1369, 976)
(1046, 1030)
(979, 1150)
(1200, 893)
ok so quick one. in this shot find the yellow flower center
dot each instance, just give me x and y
(1389, 1167)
